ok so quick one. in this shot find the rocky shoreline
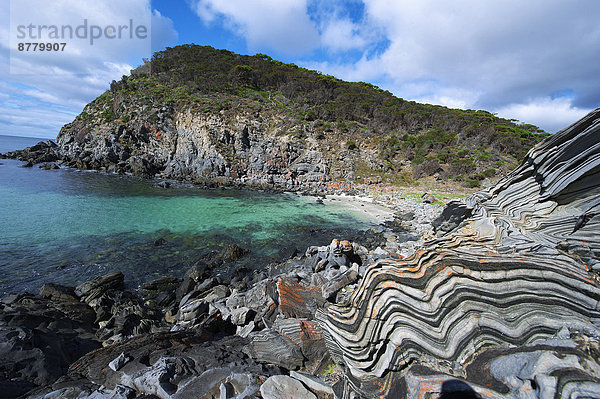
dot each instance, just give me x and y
(198, 337)
(503, 300)
(253, 335)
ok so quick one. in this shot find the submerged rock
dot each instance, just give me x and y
(49, 166)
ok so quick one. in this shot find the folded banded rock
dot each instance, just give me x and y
(307, 335)
(297, 300)
(268, 346)
(517, 268)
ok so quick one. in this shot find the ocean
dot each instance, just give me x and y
(68, 226)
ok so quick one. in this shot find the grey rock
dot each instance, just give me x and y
(306, 334)
(163, 377)
(216, 293)
(161, 284)
(57, 292)
(337, 283)
(193, 310)
(315, 384)
(260, 299)
(428, 198)
(49, 166)
(245, 331)
(206, 385)
(269, 347)
(226, 391)
(119, 392)
(193, 276)
(452, 216)
(244, 385)
(241, 316)
(101, 284)
(119, 362)
(284, 387)
(236, 300)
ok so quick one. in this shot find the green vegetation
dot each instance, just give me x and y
(472, 183)
(466, 145)
(351, 145)
(330, 369)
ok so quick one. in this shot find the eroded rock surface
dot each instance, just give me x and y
(504, 304)
(196, 337)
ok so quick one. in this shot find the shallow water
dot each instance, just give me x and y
(68, 226)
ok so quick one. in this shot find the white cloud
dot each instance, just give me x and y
(50, 89)
(163, 31)
(283, 26)
(342, 35)
(555, 114)
(94, 32)
(488, 55)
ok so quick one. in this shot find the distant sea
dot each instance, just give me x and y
(68, 226)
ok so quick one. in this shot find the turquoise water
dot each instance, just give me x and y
(68, 226)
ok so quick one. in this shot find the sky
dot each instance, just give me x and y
(535, 61)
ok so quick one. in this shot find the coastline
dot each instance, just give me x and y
(240, 311)
(378, 211)
(249, 312)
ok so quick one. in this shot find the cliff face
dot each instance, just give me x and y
(198, 114)
(238, 148)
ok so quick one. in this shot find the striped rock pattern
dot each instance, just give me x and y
(477, 308)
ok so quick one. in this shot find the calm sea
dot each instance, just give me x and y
(68, 226)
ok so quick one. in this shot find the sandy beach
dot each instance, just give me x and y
(367, 205)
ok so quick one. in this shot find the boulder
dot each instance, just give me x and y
(269, 347)
(57, 292)
(152, 289)
(263, 299)
(193, 276)
(315, 384)
(159, 242)
(284, 387)
(337, 283)
(307, 335)
(297, 300)
(117, 363)
(101, 284)
(49, 166)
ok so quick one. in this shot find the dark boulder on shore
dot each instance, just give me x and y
(41, 337)
(43, 152)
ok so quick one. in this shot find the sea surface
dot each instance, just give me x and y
(68, 226)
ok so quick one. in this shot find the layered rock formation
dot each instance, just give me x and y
(504, 303)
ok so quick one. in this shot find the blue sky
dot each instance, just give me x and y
(535, 61)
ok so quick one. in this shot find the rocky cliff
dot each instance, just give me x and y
(199, 114)
(505, 303)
